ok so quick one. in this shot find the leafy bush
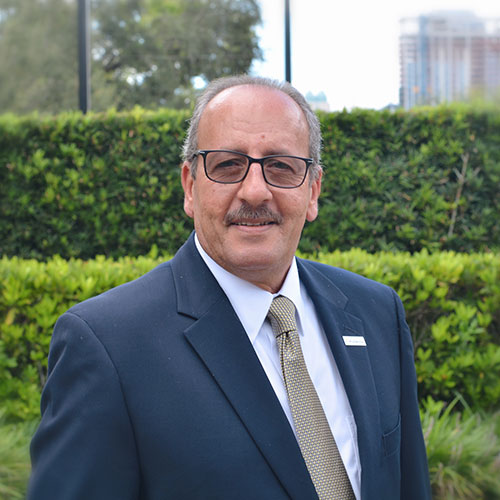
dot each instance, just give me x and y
(32, 296)
(426, 178)
(80, 186)
(452, 303)
(463, 450)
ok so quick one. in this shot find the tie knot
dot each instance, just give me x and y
(282, 315)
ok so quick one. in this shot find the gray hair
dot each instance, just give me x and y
(217, 86)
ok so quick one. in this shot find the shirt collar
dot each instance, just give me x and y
(250, 302)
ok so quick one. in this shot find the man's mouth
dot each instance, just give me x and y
(249, 216)
(252, 224)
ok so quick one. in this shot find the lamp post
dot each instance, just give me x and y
(84, 55)
(288, 63)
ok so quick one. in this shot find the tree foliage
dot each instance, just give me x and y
(38, 50)
(144, 52)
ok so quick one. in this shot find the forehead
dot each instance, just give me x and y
(250, 108)
(251, 94)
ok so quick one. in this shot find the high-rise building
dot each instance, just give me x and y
(448, 56)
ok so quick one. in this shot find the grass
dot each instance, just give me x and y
(14, 458)
(463, 449)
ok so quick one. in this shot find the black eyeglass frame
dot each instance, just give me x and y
(204, 152)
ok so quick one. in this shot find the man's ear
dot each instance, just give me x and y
(312, 209)
(187, 184)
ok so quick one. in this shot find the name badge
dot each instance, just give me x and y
(354, 340)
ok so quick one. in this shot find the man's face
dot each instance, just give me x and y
(257, 121)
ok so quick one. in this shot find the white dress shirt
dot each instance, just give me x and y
(251, 305)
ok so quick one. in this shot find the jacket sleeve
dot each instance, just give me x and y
(84, 447)
(415, 483)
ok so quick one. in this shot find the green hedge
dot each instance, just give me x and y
(452, 303)
(80, 186)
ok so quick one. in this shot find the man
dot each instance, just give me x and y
(235, 370)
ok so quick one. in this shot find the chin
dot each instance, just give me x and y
(252, 261)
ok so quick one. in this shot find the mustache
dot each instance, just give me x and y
(247, 212)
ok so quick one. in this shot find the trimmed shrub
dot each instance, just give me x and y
(80, 186)
(32, 296)
(452, 303)
(426, 178)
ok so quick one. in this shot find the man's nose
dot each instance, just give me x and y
(254, 188)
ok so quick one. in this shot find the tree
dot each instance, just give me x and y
(154, 48)
(38, 47)
(146, 52)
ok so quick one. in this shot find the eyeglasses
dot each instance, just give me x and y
(231, 167)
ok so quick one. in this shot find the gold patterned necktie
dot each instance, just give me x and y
(314, 436)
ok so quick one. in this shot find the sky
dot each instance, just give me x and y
(348, 50)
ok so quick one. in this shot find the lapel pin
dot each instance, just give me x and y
(354, 340)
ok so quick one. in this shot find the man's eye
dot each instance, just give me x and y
(229, 164)
(280, 165)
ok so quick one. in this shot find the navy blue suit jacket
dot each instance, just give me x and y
(155, 392)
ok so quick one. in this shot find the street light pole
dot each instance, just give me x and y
(84, 54)
(288, 63)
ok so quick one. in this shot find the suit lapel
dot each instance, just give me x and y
(220, 341)
(353, 362)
